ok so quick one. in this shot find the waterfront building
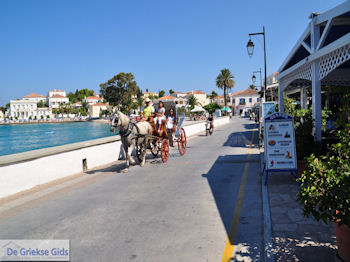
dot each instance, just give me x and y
(93, 100)
(26, 109)
(56, 92)
(149, 94)
(35, 98)
(57, 97)
(77, 105)
(200, 96)
(179, 101)
(95, 110)
(243, 101)
(179, 94)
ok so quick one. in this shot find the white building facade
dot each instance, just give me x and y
(27, 109)
(244, 100)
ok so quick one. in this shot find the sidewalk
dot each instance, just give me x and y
(296, 238)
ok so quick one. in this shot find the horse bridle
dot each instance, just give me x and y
(127, 132)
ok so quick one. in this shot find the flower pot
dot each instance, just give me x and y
(301, 166)
(343, 241)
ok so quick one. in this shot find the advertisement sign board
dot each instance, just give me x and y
(279, 141)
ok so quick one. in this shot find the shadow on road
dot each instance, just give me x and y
(250, 126)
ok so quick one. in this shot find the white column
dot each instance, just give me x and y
(316, 100)
(280, 98)
(303, 98)
(316, 83)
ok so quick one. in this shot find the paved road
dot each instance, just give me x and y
(179, 211)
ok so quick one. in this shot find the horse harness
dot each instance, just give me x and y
(127, 132)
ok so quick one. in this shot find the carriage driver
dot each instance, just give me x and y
(147, 111)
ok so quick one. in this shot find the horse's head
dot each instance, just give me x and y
(118, 120)
(115, 121)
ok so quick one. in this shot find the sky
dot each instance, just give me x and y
(179, 44)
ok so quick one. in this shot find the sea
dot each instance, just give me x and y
(25, 137)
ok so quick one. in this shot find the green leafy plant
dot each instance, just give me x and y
(211, 107)
(325, 184)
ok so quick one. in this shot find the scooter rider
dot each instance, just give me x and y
(211, 121)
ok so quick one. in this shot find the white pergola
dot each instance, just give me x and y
(320, 57)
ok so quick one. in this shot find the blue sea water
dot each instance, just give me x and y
(21, 138)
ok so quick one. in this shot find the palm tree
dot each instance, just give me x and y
(225, 81)
(192, 101)
(252, 87)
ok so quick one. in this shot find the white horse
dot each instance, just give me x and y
(131, 133)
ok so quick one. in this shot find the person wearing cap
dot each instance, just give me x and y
(147, 110)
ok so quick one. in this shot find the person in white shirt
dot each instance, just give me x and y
(160, 115)
(171, 126)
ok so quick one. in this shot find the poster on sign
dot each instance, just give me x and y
(279, 138)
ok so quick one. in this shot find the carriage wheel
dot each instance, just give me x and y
(140, 151)
(182, 142)
(165, 150)
(155, 150)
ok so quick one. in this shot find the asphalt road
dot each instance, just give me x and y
(182, 210)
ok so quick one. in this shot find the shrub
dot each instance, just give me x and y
(325, 184)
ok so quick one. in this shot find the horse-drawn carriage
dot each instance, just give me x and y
(144, 136)
(159, 140)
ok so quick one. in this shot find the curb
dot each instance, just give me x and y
(268, 243)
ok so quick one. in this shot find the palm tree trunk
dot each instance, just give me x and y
(225, 101)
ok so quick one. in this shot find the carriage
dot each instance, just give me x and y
(159, 141)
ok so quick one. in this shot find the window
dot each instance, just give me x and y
(250, 100)
(258, 99)
(233, 101)
(242, 101)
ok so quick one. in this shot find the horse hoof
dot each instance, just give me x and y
(125, 170)
(142, 164)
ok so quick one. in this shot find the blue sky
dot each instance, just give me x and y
(180, 45)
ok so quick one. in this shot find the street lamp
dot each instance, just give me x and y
(250, 49)
(254, 77)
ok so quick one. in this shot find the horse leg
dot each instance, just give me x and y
(126, 169)
(144, 144)
(129, 156)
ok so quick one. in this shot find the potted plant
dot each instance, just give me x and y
(325, 190)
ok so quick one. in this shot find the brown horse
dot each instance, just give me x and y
(163, 133)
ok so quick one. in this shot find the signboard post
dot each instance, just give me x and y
(279, 144)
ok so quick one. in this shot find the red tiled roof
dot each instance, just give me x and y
(33, 95)
(57, 96)
(245, 92)
(179, 93)
(100, 104)
(94, 98)
(166, 98)
(55, 90)
(274, 74)
(195, 92)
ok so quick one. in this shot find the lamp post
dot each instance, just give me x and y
(250, 49)
(254, 77)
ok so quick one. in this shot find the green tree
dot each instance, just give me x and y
(41, 104)
(8, 105)
(120, 89)
(3, 109)
(192, 101)
(171, 91)
(252, 87)
(211, 107)
(225, 81)
(161, 93)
